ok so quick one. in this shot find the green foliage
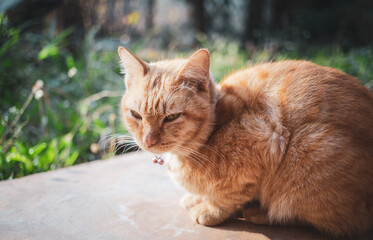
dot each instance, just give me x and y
(65, 101)
(59, 120)
(9, 36)
(227, 57)
(52, 48)
(21, 160)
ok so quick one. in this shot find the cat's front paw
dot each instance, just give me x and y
(206, 214)
(190, 200)
(254, 214)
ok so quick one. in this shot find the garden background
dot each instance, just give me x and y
(60, 81)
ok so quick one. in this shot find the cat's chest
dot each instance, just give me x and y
(175, 168)
(183, 175)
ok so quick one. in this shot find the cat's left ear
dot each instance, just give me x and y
(196, 71)
(133, 66)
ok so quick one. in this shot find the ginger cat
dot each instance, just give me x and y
(295, 136)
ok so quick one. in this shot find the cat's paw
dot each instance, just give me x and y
(260, 219)
(190, 200)
(206, 214)
(255, 215)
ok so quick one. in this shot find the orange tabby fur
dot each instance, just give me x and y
(295, 136)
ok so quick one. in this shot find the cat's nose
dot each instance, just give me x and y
(151, 139)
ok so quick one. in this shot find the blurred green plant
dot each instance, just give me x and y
(21, 160)
(52, 49)
(9, 35)
(228, 56)
(58, 106)
(57, 121)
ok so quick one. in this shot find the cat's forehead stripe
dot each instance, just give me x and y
(156, 103)
(159, 92)
(154, 81)
(151, 105)
(156, 100)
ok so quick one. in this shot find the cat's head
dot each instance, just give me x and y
(168, 104)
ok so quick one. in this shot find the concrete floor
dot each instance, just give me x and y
(126, 197)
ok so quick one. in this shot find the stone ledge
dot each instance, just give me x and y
(126, 197)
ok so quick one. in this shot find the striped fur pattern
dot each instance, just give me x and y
(292, 135)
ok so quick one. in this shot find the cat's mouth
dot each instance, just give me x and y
(159, 148)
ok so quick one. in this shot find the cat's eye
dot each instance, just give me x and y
(172, 117)
(136, 115)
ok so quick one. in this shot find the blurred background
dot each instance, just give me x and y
(60, 81)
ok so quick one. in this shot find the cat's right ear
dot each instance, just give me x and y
(133, 67)
(196, 71)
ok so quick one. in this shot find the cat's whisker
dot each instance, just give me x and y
(220, 156)
(125, 141)
(124, 148)
(129, 147)
(116, 140)
(107, 140)
(203, 166)
(198, 156)
(202, 156)
(203, 159)
(190, 156)
(110, 136)
(138, 149)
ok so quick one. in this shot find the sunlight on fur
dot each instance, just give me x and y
(292, 135)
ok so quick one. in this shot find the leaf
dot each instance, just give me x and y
(21, 148)
(8, 44)
(70, 62)
(52, 48)
(48, 156)
(2, 128)
(17, 157)
(72, 158)
(99, 125)
(63, 35)
(65, 142)
(34, 151)
(48, 51)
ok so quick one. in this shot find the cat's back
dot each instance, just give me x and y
(299, 92)
(327, 116)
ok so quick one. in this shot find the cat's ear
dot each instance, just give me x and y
(133, 66)
(196, 71)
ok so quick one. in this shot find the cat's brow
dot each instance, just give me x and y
(155, 105)
(154, 81)
(151, 104)
(157, 79)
